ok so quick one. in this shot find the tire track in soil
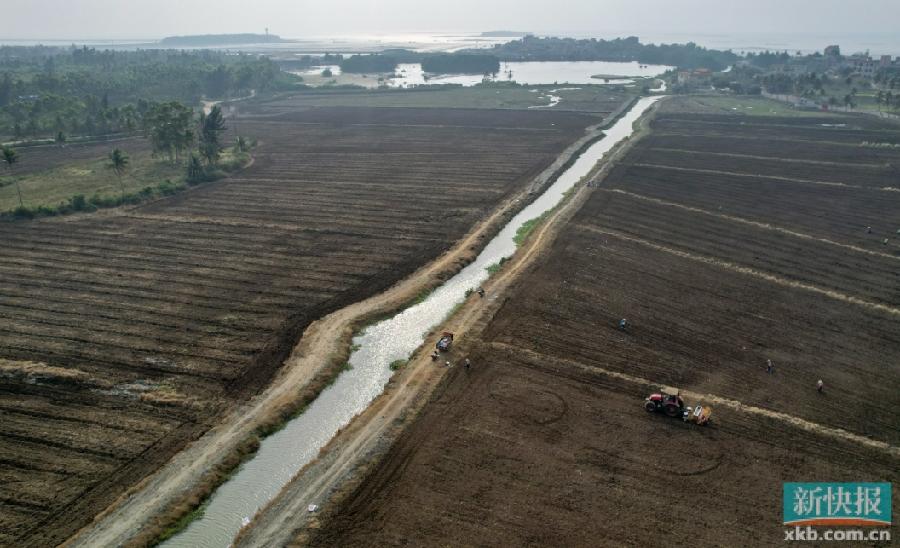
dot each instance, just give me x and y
(809, 426)
(837, 295)
(748, 222)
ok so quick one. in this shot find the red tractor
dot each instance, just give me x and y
(670, 404)
(673, 406)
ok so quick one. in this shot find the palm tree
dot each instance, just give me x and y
(118, 161)
(10, 156)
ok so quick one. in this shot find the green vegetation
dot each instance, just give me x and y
(422, 295)
(369, 64)
(118, 162)
(169, 126)
(183, 522)
(494, 268)
(84, 91)
(397, 364)
(744, 104)
(690, 55)
(461, 63)
(93, 184)
(528, 227)
(10, 157)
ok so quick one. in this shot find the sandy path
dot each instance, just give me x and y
(135, 511)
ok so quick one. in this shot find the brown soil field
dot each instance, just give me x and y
(544, 441)
(125, 336)
(534, 452)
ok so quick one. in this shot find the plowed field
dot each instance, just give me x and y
(123, 337)
(718, 268)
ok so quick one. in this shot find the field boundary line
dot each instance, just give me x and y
(762, 138)
(837, 295)
(736, 405)
(757, 176)
(773, 158)
(757, 224)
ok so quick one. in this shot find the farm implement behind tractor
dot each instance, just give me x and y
(673, 406)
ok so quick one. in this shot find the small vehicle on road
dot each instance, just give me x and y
(445, 341)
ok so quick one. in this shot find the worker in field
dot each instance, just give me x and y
(868, 230)
(435, 355)
(623, 324)
(481, 292)
(770, 367)
(820, 386)
(467, 364)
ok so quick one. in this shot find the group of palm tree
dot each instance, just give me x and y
(209, 148)
(118, 162)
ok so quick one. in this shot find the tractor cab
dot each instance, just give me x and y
(666, 399)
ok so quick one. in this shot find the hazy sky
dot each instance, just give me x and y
(69, 19)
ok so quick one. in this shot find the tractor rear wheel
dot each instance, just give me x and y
(673, 411)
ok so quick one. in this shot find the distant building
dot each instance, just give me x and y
(885, 61)
(864, 65)
(833, 51)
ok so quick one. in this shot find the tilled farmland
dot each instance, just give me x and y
(125, 336)
(718, 269)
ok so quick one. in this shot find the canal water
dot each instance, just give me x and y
(284, 453)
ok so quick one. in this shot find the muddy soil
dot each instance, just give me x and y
(544, 441)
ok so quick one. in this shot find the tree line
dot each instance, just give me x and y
(686, 56)
(176, 135)
(44, 91)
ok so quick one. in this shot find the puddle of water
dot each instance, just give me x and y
(284, 453)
